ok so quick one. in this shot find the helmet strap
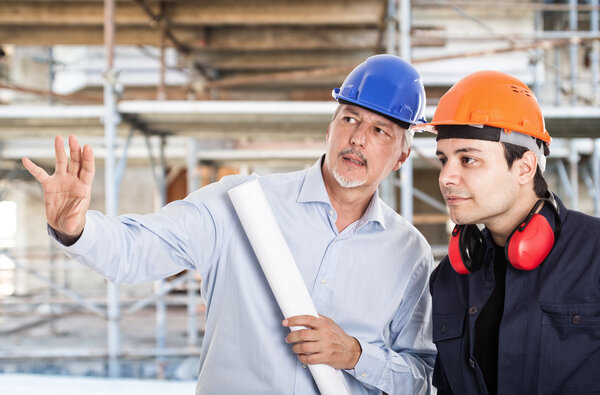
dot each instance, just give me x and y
(523, 140)
(492, 133)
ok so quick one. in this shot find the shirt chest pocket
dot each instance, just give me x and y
(570, 349)
(448, 331)
(448, 326)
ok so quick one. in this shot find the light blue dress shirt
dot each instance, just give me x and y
(371, 279)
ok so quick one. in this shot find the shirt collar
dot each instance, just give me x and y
(373, 213)
(313, 190)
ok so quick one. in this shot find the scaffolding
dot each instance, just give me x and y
(573, 160)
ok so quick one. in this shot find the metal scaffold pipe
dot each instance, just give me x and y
(392, 26)
(573, 49)
(574, 158)
(406, 171)
(111, 119)
(595, 55)
(538, 64)
(159, 169)
(192, 185)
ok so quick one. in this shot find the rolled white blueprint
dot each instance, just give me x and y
(280, 269)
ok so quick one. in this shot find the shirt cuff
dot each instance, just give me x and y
(84, 242)
(370, 365)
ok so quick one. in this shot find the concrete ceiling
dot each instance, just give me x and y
(275, 51)
(297, 50)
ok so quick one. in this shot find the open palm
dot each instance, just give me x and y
(67, 192)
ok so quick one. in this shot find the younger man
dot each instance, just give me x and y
(516, 305)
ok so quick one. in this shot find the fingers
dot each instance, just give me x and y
(61, 156)
(86, 173)
(302, 320)
(323, 341)
(307, 348)
(302, 335)
(312, 359)
(75, 150)
(36, 171)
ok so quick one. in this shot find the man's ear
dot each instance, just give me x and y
(527, 167)
(401, 159)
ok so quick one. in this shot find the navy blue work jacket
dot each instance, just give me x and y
(549, 339)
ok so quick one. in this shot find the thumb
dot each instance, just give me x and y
(33, 169)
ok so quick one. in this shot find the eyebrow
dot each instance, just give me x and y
(351, 111)
(384, 124)
(460, 150)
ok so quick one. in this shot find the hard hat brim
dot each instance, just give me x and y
(431, 127)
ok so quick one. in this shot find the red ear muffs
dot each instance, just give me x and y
(466, 249)
(526, 247)
(530, 243)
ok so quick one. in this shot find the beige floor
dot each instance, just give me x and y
(26, 384)
(75, 344)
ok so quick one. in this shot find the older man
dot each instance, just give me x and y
(366, 268)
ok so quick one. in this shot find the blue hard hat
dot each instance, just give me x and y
(388, 85)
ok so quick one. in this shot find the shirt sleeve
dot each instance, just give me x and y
(406, 366)
(129, 249)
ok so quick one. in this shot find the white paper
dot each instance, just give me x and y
(280, 269)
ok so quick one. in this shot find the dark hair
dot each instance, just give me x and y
(513, 152)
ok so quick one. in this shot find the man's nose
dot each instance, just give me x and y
(359, 135)
(449, 174)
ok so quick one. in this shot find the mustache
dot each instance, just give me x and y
(353, 151)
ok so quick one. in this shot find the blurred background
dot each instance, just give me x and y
(174, 94)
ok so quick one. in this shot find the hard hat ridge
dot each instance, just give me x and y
(491, 98)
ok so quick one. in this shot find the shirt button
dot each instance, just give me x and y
(363, 375)
(472, 363)
(331, 212)
(304, 366)
(323, 282)
(577, 319)
(472, 310)
(443, 328)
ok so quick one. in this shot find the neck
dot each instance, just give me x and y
(349, 203)
(500, 228)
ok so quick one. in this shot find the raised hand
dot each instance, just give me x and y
(322, 342)
(67, 193)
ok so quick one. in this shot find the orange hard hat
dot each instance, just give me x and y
(494, 99)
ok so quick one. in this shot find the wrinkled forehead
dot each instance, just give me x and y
(384, 119)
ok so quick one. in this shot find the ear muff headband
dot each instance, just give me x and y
(530, 243)
(454, 253)
(526, 247)
(466, 249)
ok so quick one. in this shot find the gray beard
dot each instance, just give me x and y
(346, 183)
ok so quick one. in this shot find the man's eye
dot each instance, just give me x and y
(349, 119)
(467, 160)
(442, 161)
